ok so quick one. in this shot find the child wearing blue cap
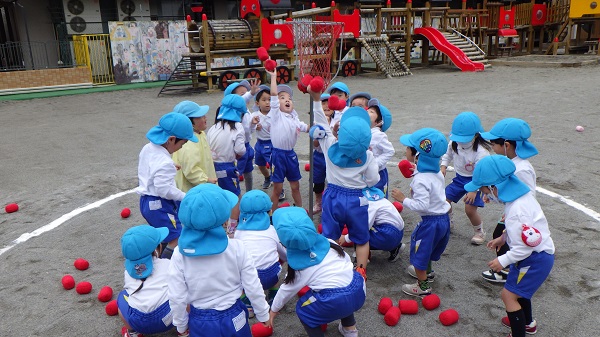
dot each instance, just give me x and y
(382, 148)
(159, 195)
(466, 148)
(143, 303)
(336, 290)
(227, 143)
(428, 198)
(319, 166)
(261, 125)
(351, 174)
(194, 159)
(360, 99)
(209, 271)
(509, 137)
(285, 128)
(531, 254)
(341, 90)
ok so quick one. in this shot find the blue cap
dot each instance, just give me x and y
(465, 126)
(296, 231)
(354, 139)
(254, 211)
(357, 95)
(386, 115)
(499, 171)
(137, 245)
(191, 109)
(325, 97)
(285, 88)
(430, 144)
(341, 86)
(262, 88)
(232, 108)
(231, 87)
(516, 130)
(203, 211)
(172, 124)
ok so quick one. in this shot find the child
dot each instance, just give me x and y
(351, 170)
(227, 143)
(261, 241)
(509, 137)
(285, 127)
(383, 150)
(261, 125)
(360, 99)
(319, 166)
(531, 254)
(194, 159)
(341, 90)
(428, 198)
(159, 197)
(336, 291)
(208, 271)
(466, 149)
(143, 304)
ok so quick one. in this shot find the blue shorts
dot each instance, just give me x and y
(318, 167)
(382, 184)
(224, 323)
(160, 212)
(270, 276)
(244, 164)
(327, 305)
(262, 152)
(429, 239)
(525, 277)
(146, 323)
(342, 206)
(385, 237)
(456, 190)
(284, 165)
(228, 177)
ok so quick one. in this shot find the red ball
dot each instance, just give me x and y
(262, 54)
(392, 316)
(125, 213)
(335, 103)
(270, 65)
(105, 294)
(384, 305)
(11, 208)
(112, 308)
(345, 230)
(241, 177)
(68, 282)
(449, 317)
(304, 82)
(260, 330)
(83, 288)
(320, 228)
(317, 84)
(408, 307)
(323, 327)
(81, 264)
(398, 206)
(307, 167)
(285, 204)
(303, 291)
(188, 18)
(431, 302)
(406, 168)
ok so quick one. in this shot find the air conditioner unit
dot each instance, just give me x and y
(83, 16)
(133, 10)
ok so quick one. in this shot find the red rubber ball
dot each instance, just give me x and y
(392, 316)
(307, 167)
(449, 317)
(408, 307)
(384, 305)
(270, 65)
(398, 206)
(68, 282)
(431, 302)
(83, 288)
(259, 330)
(304, 82)
(406, 168)
(125, 213)
(105, 294)
(112, 308)
(81, 264)
(11, 208)
(317, 84)
(262, 54)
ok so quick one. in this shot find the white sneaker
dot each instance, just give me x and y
(415, 290)
(347, 333)
(411, 271)
(478, 238)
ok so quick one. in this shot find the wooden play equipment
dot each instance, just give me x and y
(582, 19)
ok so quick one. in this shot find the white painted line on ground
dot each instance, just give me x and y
(590, 212)
(26, 236)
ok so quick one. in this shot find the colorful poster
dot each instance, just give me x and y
(127, 52)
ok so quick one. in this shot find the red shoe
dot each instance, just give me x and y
(130, 333)
(362, 271)
(530, 329)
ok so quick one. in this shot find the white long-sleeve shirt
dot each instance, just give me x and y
(264, 246)
(525, 172)
(524, 211)
(285, 127)
(337, 115)
(246, 118)
(360, 177)
(382, 148)
(465, 159)
(428, 194)
(214, 282)
(383, 211)
(156, 173)
(265, 123)
(154, 293)
(226, 143)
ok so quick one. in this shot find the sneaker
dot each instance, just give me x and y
(282, 195)
(395, 253)
(411, 271)
(267, 183)
(130, 333)
(415, 290)
(317, 208)
(362, 271)
(347, 333)
(492, 276)
(246, 301)
(530, 329)
(478, 238)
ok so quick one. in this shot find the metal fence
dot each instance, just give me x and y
(37, 55)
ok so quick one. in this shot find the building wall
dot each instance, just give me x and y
(35, 16)
(44, 77)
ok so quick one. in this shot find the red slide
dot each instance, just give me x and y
(458, 57)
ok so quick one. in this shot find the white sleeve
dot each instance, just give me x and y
(321, 119)
(420, 198)
(371, 175)
(519, 251)
(289, 290)
(247, 97)
(164, 179)
(239, 142)
(387, 152)
(448, 156)
(251, 284)
(274, 113)
(178, 292)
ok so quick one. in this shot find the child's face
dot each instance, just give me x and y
(199, 124)
(240, 90)
(285, 102)
(328, 112)
(409, 156)
(264, 103)
(173, 146)
(360, 101)
(373, 116)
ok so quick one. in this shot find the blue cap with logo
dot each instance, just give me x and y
(430, 144)
(172, 125)
(191, 109)
(254, 211)
(354, 139)
(514, 129)
(499, 171)
(137, 245)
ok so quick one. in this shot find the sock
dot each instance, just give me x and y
(526, 307)
(424, 285)
(167, 253)
(517, 323)
(478, 228)
(248, 181)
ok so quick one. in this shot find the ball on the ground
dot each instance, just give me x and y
(392, 316)
(112, 308)
(398, 206)
(270, 65)
(303, 291)
(579, 128)
(83, 288)
(384, 305)
(408, 307)
(307, 167)
(262, 54)
(105, 294)
(68, 282)
(260, 330)
(449, 317)
(406, 168)
(125, 213)
(81, 264)
(431, 302)
(285, 204)
(11, 208)
(317, 84)
(241, 177)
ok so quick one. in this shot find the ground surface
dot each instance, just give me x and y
(59, 154)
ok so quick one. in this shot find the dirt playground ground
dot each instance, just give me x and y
(60, 154)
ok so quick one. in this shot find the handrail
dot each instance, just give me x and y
(469, 40)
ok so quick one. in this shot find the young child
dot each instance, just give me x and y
(336, 291)
(382, 148)
(319, 166)
(227, 143)
(360, 99)
(143, 303)
(261, 241)
(428, 198)
(465, 150)
(341, 90)
(194, 159)
(509, 137)
(208, 271)
(531, 254)
(351, 171)
(159, 196)
(261, 125)
(285, 127)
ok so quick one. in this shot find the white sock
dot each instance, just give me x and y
(478, 228)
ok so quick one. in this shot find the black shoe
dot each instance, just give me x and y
(395, 253)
